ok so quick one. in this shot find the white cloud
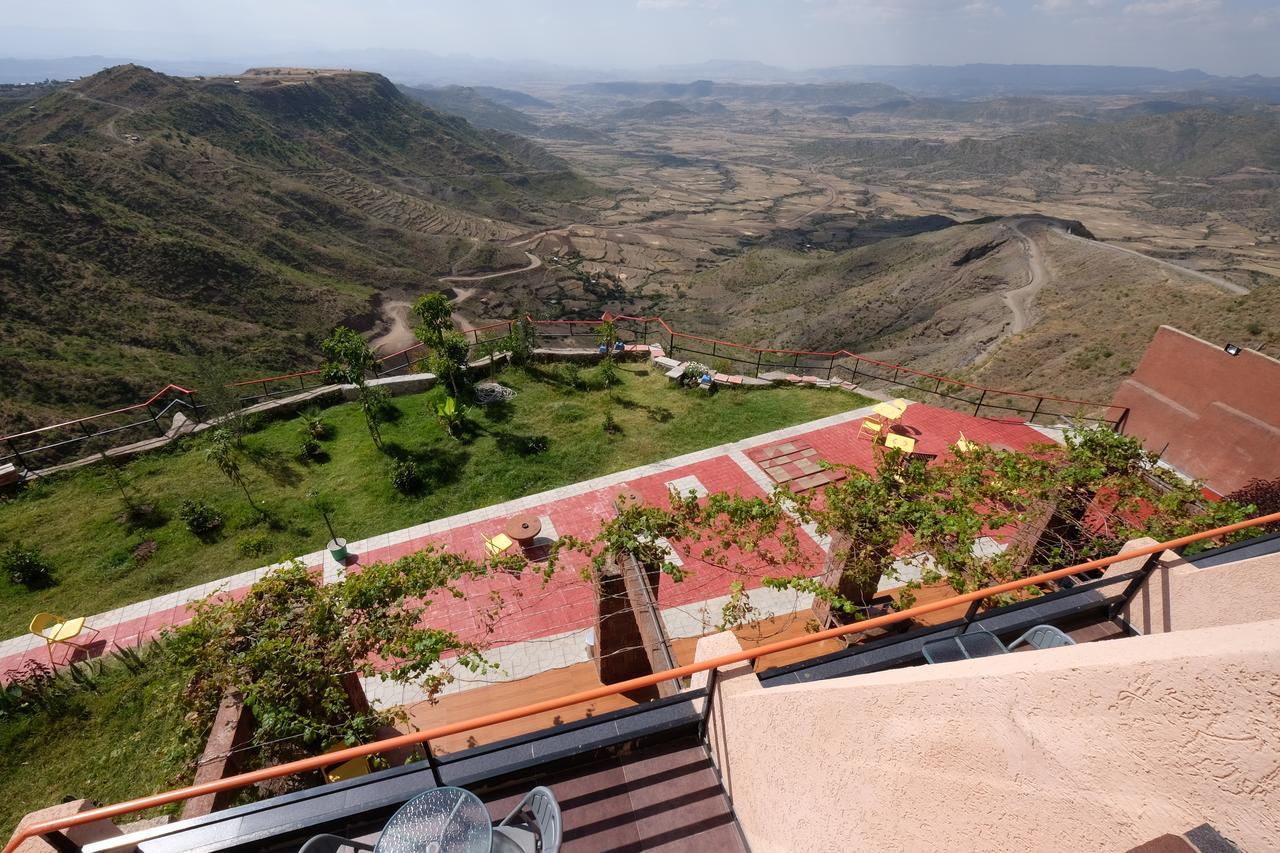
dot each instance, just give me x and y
(853, 9)
(1177, 8)
(1056, 7)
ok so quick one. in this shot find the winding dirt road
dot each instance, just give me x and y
(534, 263)
(1019, 300)
(1228, 286)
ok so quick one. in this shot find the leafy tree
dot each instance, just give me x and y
(449, 362)
(435, 318)
(293, 645)
(350, 361)
(223, 454)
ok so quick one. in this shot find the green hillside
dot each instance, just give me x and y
(474, 107)
(150, 221)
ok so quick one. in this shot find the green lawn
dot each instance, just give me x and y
(77, 520)
(125, 738)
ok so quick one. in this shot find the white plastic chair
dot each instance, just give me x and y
(1043, 637)
(541, 836)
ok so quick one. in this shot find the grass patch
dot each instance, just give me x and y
(125, 738)
(552, 434)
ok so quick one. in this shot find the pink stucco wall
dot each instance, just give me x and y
(1095, 747)
(1178, 596)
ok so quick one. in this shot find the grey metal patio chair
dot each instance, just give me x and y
(541, 836)
(1043, 637)
(333, 844)
(981, 643)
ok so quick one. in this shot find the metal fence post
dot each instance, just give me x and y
(1039, 400)
(713, 679)
(433, 764)
(759, 355)
(16, 455)
(978, 407)
(1148, 566)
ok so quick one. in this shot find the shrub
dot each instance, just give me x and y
(200, 518)
(26, 566)
(610, 425)
(1263, 495)
(406, 476)
(452, 416)
(313, 426)
(309, 448)
(255, 545)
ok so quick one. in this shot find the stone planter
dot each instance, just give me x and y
(338, 549)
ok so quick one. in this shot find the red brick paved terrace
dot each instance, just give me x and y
(543, 625)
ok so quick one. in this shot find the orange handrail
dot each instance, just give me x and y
(156, 396)
(318, 761)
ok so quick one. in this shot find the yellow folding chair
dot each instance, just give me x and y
(964, 445)
(53, 629)
(498, 544)
(870, 428)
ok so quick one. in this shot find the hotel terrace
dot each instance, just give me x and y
(1127, 702)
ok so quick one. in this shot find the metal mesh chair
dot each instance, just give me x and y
(333, 844)
(1043, 637)
(542, 835)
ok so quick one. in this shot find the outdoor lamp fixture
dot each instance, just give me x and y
(1231, 349)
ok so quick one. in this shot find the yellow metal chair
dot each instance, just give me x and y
(358, 766)
(498, 544)
(964, 445)
(871, 428)
(54, 629)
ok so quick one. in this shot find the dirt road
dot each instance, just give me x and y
(1019, 300)
(534, 263)
(109, 126)
(397, 333)
(1228, 286)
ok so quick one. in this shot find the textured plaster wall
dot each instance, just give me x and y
(1096, 747)
(1178, 596)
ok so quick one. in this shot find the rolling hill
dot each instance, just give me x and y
(149, 222)
(943, 300)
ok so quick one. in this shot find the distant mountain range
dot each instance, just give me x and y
(151, 222)
(413, 67)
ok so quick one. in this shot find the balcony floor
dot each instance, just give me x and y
(664, 797)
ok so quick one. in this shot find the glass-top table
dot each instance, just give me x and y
(441, 820)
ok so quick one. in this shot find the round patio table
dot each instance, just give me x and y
(441, 820)
(524, 528)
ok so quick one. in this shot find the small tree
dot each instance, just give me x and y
(223, 454)
(435, 318)
(325, 506)
(350, 361)
(607, 337)
(449, 362)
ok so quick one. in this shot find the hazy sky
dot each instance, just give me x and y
(1220, 36)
